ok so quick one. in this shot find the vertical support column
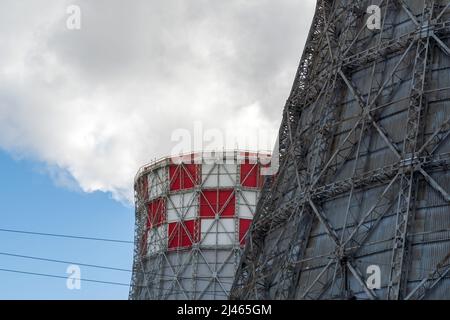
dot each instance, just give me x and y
(408, 180)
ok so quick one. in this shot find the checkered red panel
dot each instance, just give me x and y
(173, 194)
(222, 202)
(244, 226)
(183, 176)
(156, 213)
(142, 187)
(250, 175)
(182, 234)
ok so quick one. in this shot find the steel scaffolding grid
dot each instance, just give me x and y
(204, 266)
(364, 162)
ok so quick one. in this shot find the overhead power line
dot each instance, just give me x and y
(8, 254)
(47, 275)
(62, 261)
(166, 276)
(63, 277)
(65, 236)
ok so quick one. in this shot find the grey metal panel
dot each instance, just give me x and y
(194, 280)
(203, 266)
(378, 196)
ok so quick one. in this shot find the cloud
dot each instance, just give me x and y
(98, 103)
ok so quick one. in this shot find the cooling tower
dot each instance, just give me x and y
(360, 206)
(192, 216)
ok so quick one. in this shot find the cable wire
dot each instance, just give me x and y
(62, 277)
(66, 236)
(63, 262)
(178, 291)
(165, 277)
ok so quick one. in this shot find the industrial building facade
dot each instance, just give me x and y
(192, 216)
(364, 181)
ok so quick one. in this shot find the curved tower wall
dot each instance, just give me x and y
(364, 181)
(192, 216)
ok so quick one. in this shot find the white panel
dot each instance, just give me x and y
(209, 180)
(191, 206)
(174, 208)
(223, 175)
(209, 168)
(230, 168)
(248, 197)
(226, 181)
(246, 212)
(222, 231)
(226, 231)
(208, 237)
(156, 240)
(184, 205)
(157, 183)
(227, 176)
(247, 204)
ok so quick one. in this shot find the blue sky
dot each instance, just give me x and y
(31, 201)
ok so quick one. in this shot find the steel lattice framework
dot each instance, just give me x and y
(364, 162)
(192, 215)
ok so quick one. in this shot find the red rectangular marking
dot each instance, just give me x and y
(142, 186)
(182, 234)
(249, 175)
(183, 176)
(156, 213)
(214, 202)
(244, 226)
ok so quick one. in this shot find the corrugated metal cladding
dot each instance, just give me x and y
(363, 191)
(192, 216)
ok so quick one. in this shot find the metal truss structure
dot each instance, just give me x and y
(364, 174)
(192, 215)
